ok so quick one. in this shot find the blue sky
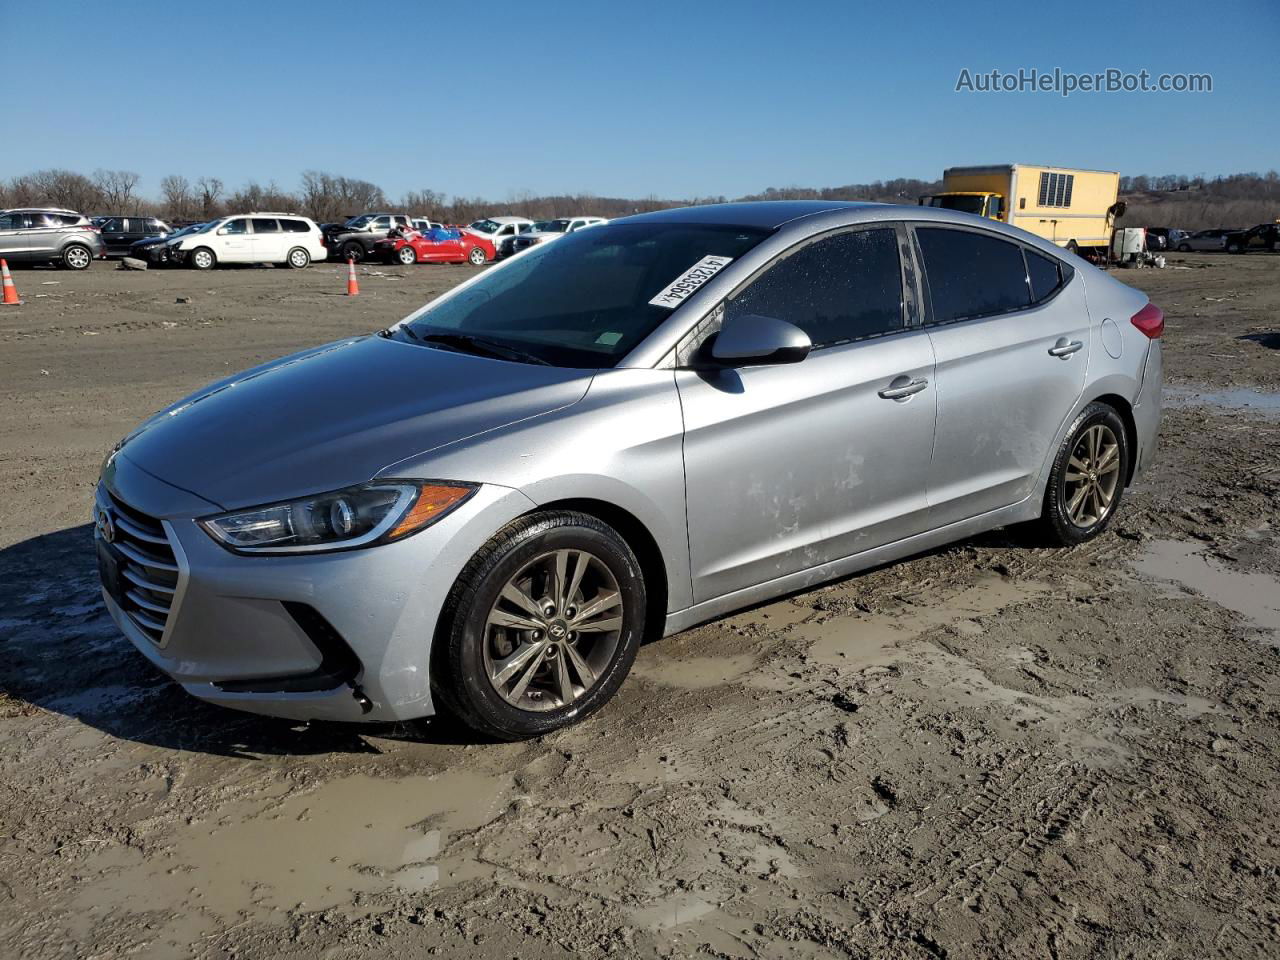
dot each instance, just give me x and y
(671, 99)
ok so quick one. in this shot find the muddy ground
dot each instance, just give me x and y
(992, 750)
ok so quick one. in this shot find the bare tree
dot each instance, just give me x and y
(210, 189)
(116, 188)
(178, 201)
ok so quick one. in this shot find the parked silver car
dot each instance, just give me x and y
(1204, 240)
(49, 235)
(636, 428)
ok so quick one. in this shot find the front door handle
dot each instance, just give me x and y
(1064, 348)
(903, 387)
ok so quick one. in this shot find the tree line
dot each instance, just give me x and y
(1168, 200)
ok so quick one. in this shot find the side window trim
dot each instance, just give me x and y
(1067, 272)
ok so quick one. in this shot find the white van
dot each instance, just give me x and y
(251, 238)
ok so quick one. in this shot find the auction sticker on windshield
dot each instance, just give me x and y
(687, 284)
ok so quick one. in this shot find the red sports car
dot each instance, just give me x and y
(437, 247)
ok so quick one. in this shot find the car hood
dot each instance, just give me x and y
(337, 415)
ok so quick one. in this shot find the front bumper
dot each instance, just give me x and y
(233, 634)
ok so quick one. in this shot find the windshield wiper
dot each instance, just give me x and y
(390, 332)
(467, 343)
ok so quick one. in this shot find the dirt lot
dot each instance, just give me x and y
(990, 750)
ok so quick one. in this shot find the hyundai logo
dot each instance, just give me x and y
(557, 630)
(106, 526)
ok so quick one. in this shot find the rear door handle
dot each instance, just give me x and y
(902, 387)
(1065, 348)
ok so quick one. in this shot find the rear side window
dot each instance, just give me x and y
(1047, 275)
(295, 226)
(261, 225)
(972, 274)
(840, 288)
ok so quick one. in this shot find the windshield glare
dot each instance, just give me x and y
(359, 221)
(583, 301)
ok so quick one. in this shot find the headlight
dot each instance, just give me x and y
(372, 513)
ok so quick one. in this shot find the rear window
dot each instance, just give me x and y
(295, 226)
(1046, 274)
(972, 274)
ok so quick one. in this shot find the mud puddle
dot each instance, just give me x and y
(1253, 595)
(263, 857)
(1255, 401)
(866, 640)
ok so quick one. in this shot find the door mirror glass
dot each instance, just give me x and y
(752, 339)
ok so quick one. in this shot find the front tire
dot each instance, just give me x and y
(407, 256)
(541, 627)
(1184, 248)
(353, 251)
(1088, 477)
(202, 258)
(77, 257)
(298, 259)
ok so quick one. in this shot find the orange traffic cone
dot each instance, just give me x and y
(353, 288)
(10, 291)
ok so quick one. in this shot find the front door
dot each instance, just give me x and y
(791, 466)
(234, 242)
(1010, 332)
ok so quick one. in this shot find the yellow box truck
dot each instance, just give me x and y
(1075, 209)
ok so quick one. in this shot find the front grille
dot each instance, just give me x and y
(148, 569)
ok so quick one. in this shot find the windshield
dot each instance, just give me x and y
(485, 226)
(206, 227)
(582, 301)
(194, 228)
(963, 204)
(357, 222)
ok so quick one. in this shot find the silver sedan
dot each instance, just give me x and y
(487, 506)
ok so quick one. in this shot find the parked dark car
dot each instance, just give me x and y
(1164, 238)
(1265, 236)
(119, 234)
(357, 238)
(155, 250)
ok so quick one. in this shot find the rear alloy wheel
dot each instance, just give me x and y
(76, 257)
(298, 259)
(541, 628)
(407, 256)
(202, 258)
(477, 257)
(1088, 477)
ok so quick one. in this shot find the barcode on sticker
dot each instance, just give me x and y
(688, 283)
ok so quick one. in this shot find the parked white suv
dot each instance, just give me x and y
(500, 231)
(251, 238)
(544, 231)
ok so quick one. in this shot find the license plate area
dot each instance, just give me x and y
(109, 570)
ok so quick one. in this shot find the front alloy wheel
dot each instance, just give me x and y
(407, 256)
(541, 627)
(553, 629)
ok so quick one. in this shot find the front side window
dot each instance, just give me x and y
(382, 223)
(583, 301)
(840, 288)
(236, 226)
(112, 225)
(972, 274)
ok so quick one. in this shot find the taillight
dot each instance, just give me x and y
(1150, 320)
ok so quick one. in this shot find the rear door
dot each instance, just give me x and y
(790, 466)
(268, 240)
(1010, 333)
(13, 245)
(115, 235)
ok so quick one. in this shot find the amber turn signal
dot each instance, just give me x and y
(433, 501)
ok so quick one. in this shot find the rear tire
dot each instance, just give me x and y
(477, 257)
(76, 257)
(1087, 481)
(202, 258)
(298, 259)
(487, 620)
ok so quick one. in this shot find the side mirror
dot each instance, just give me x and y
(753, 340)
(222, 231)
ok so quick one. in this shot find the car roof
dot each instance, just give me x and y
(41, 210)
(508, 219)
(769, 214)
